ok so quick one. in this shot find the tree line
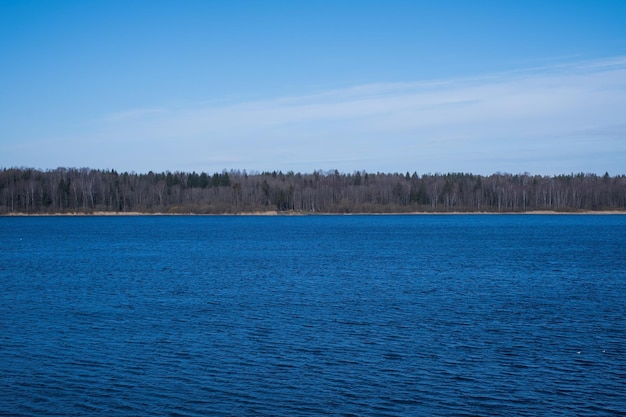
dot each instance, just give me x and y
(84, 190)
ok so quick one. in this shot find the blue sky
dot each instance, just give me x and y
(390, 86)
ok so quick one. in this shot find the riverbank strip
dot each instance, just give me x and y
(292, 213)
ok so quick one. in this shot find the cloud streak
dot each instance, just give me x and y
(547, 120)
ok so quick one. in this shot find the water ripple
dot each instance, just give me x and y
(385, 316)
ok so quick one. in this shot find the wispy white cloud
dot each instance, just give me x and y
(134, 114)
(562, 118)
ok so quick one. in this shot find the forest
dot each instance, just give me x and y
(84, 190)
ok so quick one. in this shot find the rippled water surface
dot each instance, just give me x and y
(311, 315)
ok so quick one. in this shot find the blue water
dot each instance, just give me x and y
(341, 315)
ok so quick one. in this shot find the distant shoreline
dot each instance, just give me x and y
(288, 213)
(78, 191)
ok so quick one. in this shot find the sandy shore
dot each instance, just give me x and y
(287, 213)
